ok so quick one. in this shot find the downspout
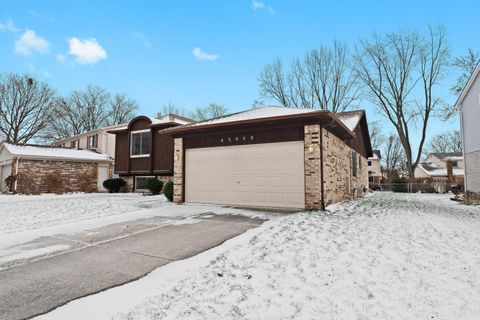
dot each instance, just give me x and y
(463, 151)
(322, 191)
(16, 174)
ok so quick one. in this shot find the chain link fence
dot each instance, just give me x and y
(427, 187)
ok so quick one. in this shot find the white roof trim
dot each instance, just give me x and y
(461, 97)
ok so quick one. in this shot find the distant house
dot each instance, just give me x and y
(98, 140)
(441, 169)
(375, 169)
(37, 167)
(468, 104)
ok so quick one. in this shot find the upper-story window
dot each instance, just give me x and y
(369, 163)
(92, 142)
(74, 144)
(454, 163)
(140, 143)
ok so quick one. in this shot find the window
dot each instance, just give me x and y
(140, 144)
(370, 179)
(454, 163)
(74, 144)
(92, 142)
(369, 163)
(354, 163)
(140, 182)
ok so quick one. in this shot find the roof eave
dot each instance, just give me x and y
(461, 97)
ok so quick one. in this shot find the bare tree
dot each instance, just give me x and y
(323, 79)
(394, 157)
(377, 138)
(122, 109)
(446, 142)
(87, 110)
(27, 106)
(213, 110)
(171, 108)
(465, 65)
(401, 72)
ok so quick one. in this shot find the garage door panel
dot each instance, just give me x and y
(269, 174)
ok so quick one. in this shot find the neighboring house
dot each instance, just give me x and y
(79, 170)
(271, 157)
(441, 169)
(468, 104)
(375, 169)
(99, 140)
(142, 153)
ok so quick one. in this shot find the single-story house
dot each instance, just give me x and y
(142, 153)
(270, 157)
(468, 104)
(445, 166)
(38, 167)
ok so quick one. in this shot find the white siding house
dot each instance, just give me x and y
(98, 140)
(468, 104)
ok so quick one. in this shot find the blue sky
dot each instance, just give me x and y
(147, 48)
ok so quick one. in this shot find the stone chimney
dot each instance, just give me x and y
(450, 171)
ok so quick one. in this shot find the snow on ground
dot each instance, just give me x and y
(388, 256)
(26, 218)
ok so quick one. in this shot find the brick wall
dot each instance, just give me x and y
(337, 160)
(312, 167)
(76, 176)
(178, 170)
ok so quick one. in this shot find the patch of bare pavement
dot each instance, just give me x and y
(106, 257)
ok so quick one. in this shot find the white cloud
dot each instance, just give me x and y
(9, 26)
(29, 42)
(258, 5)
(87, 51)
(142, 37)
(200, 55)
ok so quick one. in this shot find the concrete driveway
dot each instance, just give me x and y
(109, 256)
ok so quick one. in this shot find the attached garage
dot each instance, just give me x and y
(272, 157)
(267, 174)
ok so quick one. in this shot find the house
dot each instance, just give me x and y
(375, 170)
(441, 169)
(269, 157)
(468, 103)
(37, 166)
(99, 140)
(142, 153)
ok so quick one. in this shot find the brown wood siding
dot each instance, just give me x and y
(160, 160)
(122, 152)
(245, 136)
(162, 153)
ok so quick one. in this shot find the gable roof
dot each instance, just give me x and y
(467, 87)
(104, 129)
(54, 153)
(447, 155)
(434, 170)
(376, 154)
(350, 118)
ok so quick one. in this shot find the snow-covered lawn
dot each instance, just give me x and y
(388, 256)
(20, 213)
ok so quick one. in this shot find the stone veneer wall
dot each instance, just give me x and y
(312, 167)
(75, 174)
(178, 170)
(339, 184)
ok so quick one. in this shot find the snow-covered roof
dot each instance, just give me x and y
(259, 113)
(350, 118)
(375, 155)
(171, 118)
(45, 152)
(434, 170)
(448, 155)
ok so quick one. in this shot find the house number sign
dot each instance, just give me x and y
(236, 139)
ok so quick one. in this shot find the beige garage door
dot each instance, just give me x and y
(269, 175)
